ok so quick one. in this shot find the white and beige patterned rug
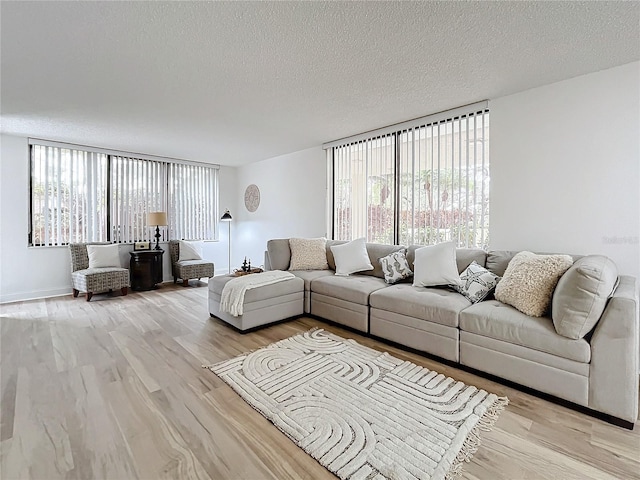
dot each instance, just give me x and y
(361, 413)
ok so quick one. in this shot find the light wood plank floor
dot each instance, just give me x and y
(114, 389)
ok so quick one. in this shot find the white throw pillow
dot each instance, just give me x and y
(102, 256)
(351, 257)
(190, 250)
(308, 254)
(436, 265)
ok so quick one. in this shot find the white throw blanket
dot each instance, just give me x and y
(232, 297)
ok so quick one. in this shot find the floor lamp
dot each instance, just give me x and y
(227, 218)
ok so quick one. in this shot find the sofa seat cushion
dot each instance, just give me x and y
(191, 263)
(503, 322)
(309, 275)
(439, 305)
(354, 288)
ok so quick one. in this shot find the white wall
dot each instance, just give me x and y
(27, 272)
(565, 162)
(293, 202)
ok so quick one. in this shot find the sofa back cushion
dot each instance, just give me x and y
(498, 260)
(581, 295)
(279, 254)
(375, 252)
(464, 257)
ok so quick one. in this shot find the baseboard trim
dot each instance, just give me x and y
(37, 295)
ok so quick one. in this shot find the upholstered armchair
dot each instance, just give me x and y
(187, 269)
(95, 280)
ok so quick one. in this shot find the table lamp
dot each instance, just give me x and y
(157, 219)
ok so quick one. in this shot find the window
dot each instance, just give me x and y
(84, 195)
(364, 189)
(420, 182)
(68, 196)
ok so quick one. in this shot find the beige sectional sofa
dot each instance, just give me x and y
(599, 371)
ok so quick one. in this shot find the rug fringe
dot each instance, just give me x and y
(473, 440)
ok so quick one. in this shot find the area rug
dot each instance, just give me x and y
(361, 413)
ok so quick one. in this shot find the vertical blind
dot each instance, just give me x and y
(191, 200)
(137, 187)
(420, 182)
(68, 196)
(364, 187)
(82, 195)
(444, 195)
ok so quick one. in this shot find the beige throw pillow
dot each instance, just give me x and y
(308, 254)
(581, 295)
(529, 281)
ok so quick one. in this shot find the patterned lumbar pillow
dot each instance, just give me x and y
(395, 267)
(308, 254)
(529, 281)
(476, 282)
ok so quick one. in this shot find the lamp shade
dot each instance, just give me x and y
(157, 218)
(226, 217)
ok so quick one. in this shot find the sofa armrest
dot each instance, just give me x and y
(267, 263)
(613, 377)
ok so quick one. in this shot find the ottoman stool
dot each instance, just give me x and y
(262, 305)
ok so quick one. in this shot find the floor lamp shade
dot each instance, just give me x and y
(157, 219)
(226, 217)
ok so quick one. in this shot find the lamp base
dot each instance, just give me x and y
(157, 238)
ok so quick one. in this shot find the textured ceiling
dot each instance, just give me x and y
(236, 82)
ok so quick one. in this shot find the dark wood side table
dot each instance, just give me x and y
(146, 269)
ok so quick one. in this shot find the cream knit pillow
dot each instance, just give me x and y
(529, 281)
(308, 254)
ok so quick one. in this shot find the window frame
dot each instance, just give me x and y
(109, 205)
(478, 110)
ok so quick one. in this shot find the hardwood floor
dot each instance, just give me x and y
(114, 389)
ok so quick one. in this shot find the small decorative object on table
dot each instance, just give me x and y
(246, 269)
(140, 246)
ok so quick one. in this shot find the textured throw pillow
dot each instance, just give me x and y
(581, 295)
(476, 282)
(101, 256)
(529, 281)
(308, 254)
(351, 257)
(395, 267)
(190, 250)
(436, 265)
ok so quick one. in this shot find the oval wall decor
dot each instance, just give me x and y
(252, 198)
